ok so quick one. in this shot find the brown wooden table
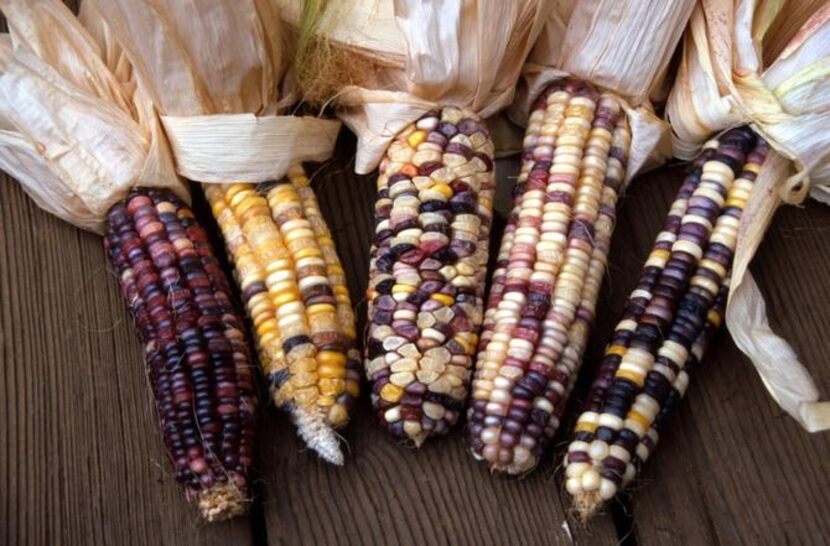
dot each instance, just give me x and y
(81, 458)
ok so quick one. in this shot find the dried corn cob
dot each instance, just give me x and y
(293, 286)
(195, 347)
(548, 274)
(644, 364)
(432, 223)
(640, 297)
(648, 442)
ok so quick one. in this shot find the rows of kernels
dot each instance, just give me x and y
(195, 348)
(641, 295)
(293, 286)
(648, 442)
(540, 137)
(543, 126)
(578, 154)
(539, 426)
(345, 397)
(674, 318)
(432, 218)
(213, 294)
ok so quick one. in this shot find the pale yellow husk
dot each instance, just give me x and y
(727, 77)
(466, 53)
(624, 47)
(77, 135)
(218, 70)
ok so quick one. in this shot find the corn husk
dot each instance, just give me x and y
(728, 78)
(77, 135)
(622, 47)
(425, 55)
(219, 74)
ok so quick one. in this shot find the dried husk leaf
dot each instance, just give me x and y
(623, 47)
(421, 56)
(218, 70)
(75, 137)
(723, 82)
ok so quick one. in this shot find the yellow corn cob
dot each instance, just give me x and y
(294, 289)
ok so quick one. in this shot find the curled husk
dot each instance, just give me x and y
(749, 62)
(75, 135)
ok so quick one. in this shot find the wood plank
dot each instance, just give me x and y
(81, 457)
(732, 467)
(388, 493)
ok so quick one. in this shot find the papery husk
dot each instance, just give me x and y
(621, 47)
(419, 56)
(73, 134)
(218, 70)
(723, 82)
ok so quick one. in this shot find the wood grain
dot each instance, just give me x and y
(81, 460)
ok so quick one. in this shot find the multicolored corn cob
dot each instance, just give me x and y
(195, 346)
(427, 271)
(295, 292)
(648, 443)
(549, 270)
(674, 310)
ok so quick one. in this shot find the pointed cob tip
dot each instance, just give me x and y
(319, 436)
(587, 505)
(419, 438)
(222, 502)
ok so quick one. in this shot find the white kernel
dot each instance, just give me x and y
(630, 473)
(607, 489)
(590, 480)
(578, 445)
(543, 404)
(610, 421)
(642, 452)
(590, 417)
(576, 470)
(490, 435)
(573, 486)
(598, 450)
(619, 452)
(393, 415)
(501, 396)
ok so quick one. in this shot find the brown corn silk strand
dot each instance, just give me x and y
(432, 220)
(294, 289)
(548, 274)
(664, 338)
(195, 347)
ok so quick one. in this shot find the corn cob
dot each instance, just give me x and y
(195, 347)
(639, 298)
(681, 297)
(648, 442)
(294, 288)
(548, 273)
(429, 255)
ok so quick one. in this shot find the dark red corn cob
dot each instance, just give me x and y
(195, 347)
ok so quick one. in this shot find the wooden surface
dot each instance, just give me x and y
(81, 460)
